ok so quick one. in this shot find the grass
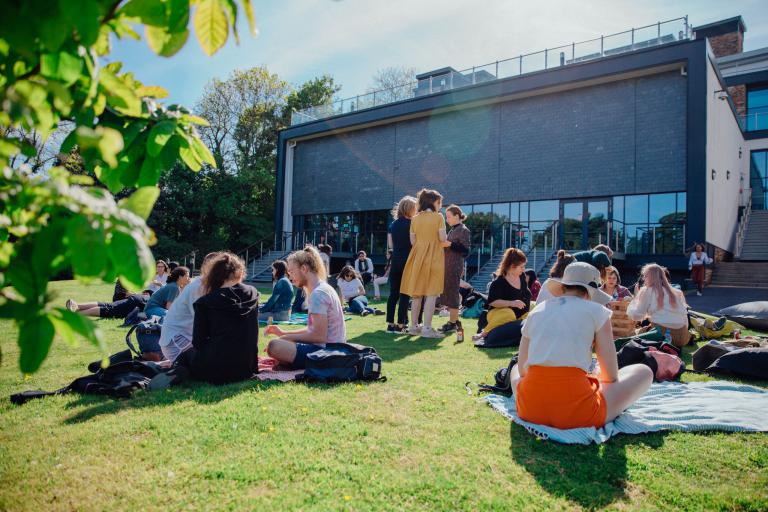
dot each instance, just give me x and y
(415, 442)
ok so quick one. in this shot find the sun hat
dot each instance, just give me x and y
(583, 274)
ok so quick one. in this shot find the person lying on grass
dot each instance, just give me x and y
(116, 309)
(551, 380)
(326, 316)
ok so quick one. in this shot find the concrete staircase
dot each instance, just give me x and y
(259, 270)
(537, 260)
(741, 274)
(755, 246)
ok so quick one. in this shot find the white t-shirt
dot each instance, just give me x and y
(646, 303)
(544, 293)
(561, 331)
(349, 289)
(327, 262)
(163, 279)
(181, 315)
(325, 301)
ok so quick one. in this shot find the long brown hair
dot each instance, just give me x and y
(177, 273)
(563, 260)
(655, 279)
(512, 258)
(427, 199)
(220, 269)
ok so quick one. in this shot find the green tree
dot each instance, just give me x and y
(51, 72)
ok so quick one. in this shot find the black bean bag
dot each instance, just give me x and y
(745, 362)
(752, 315)
(507, 335)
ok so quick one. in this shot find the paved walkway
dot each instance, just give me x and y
(716, 298)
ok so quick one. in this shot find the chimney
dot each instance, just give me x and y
(726, 37)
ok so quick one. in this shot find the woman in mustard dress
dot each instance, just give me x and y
(424, 271)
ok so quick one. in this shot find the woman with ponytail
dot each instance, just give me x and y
(550, 288)
(456, 250)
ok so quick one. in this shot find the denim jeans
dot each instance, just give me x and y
(359, 304)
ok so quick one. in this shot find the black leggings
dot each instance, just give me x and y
(121, 308)
(397, 299)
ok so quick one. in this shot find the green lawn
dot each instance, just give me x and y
(415, 442)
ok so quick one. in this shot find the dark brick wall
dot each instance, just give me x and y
(619, 138)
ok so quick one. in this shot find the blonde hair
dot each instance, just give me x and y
(406, 207)
(310, 257)
(656, 279)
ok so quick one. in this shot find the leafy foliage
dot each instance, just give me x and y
(52, 76)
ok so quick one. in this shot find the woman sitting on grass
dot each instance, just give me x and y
(550, 288)
(160, 301)
(612, 285)
(279, 304)
(353, 293)
(226, 329)
(551, 379)
(662, 304)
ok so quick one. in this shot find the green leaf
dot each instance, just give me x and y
(86, 18)
(188, 156)
(21, 274)
(152, 91)
(150, 172)
(110, 144)
(110, 177)
(48, 252)
(62, 66)
(122, 97)
(86, 246)
(211, 25)
(132, 259)
(159, 135)
(202, 151)
(141, 201)
(68, 324)
(196, 119)
(150, 12)
(248, 8)
(178, 15)
(35, 338)
(231, 8)
(165, 44)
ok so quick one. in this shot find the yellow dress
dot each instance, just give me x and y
(424, 271)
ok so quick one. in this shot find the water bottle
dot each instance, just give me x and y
(459, 334)
(667, 336)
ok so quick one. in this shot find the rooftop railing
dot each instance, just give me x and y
(659, 33)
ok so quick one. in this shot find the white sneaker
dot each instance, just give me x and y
(429, 332)
(414, 330)
(698, 293)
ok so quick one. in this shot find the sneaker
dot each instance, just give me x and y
(165, 380)
(378, 312)
(477, 337)
(414, 330)
(448, 328)
(71, 305)
(394, 329)
(444, 312)
(429, 332)
(364, 312)
(698, 293)
(719, 324)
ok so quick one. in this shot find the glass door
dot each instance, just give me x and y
(584, 223)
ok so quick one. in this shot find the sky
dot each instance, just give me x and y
(352, 39)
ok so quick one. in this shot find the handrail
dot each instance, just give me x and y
(742, 229)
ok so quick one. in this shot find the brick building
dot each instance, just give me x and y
(646, 145)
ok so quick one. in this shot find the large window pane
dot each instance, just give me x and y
(662, 208)
(545, 210)
(618, 208)
(636, 209)
(681, 204)
(757, 109)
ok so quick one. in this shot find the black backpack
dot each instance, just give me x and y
(503, 384)
(342, 362)
(118, 380)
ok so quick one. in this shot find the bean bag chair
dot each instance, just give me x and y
(507, 335)
(750, 363)
(752, 315)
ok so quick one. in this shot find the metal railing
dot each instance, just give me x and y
(742, 230)
(659, 33)
(372, 242)
(510, 234)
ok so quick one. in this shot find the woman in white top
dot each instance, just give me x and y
(352, 292)
(696, 265)
(664, 306)
(551, 380)
(161, 277)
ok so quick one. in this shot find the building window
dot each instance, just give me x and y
(649, 224)
(757, 108)
(758, 179)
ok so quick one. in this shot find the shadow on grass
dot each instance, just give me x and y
(394, 347)
(591, 477)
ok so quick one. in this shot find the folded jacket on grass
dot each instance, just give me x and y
(296, 319)
(695, 406)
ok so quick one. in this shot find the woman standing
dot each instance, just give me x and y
(424, 273)
(456, 250)
(399, 241)
(612, 285)
(663, 305)
(696, 265)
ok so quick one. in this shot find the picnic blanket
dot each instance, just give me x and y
(689, 407)
(268, 371)
(296, 319)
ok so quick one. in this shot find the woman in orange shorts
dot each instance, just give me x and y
(552, 382)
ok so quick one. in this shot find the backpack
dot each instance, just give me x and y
(503, 384)
(661, 357)
(119, 380)
(342, 362)
(475, 309)
(148, 338)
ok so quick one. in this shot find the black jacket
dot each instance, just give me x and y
(226, 335)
